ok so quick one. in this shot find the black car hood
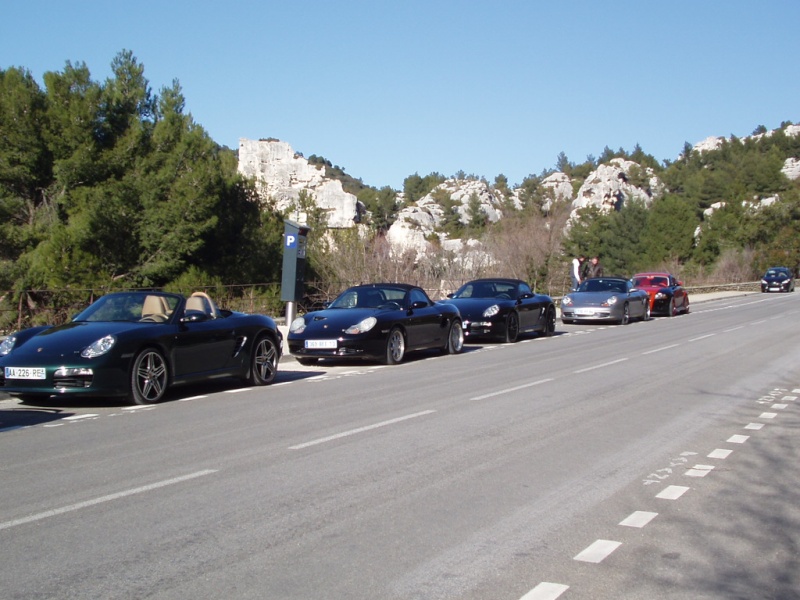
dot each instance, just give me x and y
(471, 308)
(71, 338)
(333, 321)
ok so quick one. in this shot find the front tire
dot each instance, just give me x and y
(149, 377)
(646, 316)
(395, 347)
(671, 308)
(455, 338)
(550, 322)
(264, 361)
(512, 328)
(626, 315)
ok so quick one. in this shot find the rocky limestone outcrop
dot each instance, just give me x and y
(610, 185)
(281, 174)
(715, 142)
(415, 224)
(791, 168)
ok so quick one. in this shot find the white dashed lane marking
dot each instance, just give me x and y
(598, 551)
(672, 492)
(640, 518)
(546, 591)
(720, 453)
(738, 439)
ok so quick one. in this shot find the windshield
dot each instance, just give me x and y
(650, 281)
(133, 307)
(603, 285)
(370, 297)
(487, 289)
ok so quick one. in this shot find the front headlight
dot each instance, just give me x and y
(7, 345)
(566, 301)
(764, 282)
(99, 347)
(491, 311)
(362, 327)
(610, 302)
(298, 325)
(660, 296)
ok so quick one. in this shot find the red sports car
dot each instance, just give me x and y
(667, 296)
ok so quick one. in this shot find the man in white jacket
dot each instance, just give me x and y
(575, 273)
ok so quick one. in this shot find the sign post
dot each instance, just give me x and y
(294, 266)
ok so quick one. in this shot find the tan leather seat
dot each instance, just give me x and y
(155, 308)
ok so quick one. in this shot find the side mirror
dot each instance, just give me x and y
(418, 304)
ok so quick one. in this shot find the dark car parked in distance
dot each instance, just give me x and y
(380, 321)
(778, 279)
(502, 308)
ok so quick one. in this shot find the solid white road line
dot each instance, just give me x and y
(344, 434)
(608, 364)
(101, 499)
(660, 349)
(509, 390)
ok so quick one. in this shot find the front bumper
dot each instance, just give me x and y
(74, 380)
(372, 349)
(598, 313)
(775, 287)
(483, 329)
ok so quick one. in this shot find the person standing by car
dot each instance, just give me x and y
(575, 273)
(595, 268)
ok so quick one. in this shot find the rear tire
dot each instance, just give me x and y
(149, 377)
(395, 347)
(646, 316)
(264, 361)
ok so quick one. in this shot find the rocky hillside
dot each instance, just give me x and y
(282, 174)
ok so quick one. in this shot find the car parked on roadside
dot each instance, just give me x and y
(605, 299)
(667, 295)
(379, 321)
(778, 279)
(502, 309)
(137, 345)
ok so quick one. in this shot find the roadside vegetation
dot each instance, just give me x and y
(110, 185)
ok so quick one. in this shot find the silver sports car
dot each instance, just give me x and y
(605, 299)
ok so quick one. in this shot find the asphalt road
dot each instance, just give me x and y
(656, 460)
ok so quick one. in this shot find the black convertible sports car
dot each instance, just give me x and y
(380, 321)
(137, 344)
(503, 308)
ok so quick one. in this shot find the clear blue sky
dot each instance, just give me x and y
(389, 89)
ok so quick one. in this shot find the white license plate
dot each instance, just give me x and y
(584, 311)
(25, 373)
(321, 344)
